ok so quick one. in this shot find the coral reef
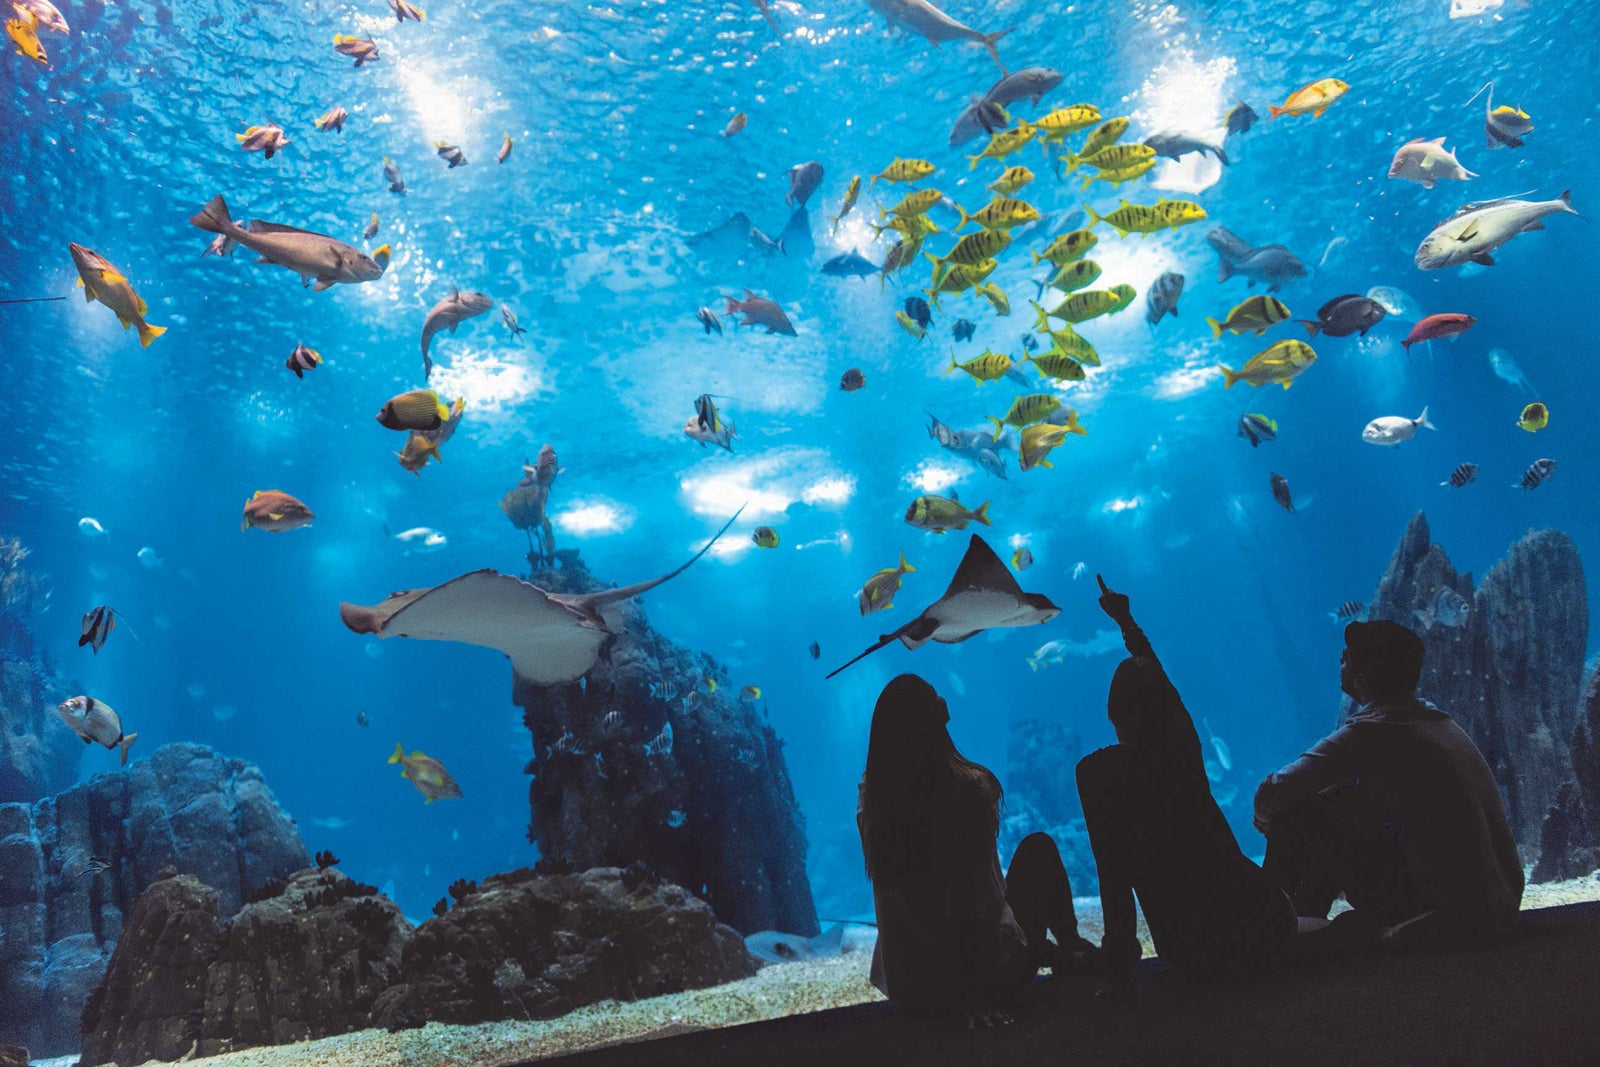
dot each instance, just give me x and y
(1041, 796)
(645, 761)
(1511, 673)
(524, 946)
(38, 755)
(306, 963)
(186, 808)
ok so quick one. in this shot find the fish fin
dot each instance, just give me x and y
(1274, 112)
(982, 514)
(1229, 376)
(126, 743)
(214, 217)
(399, 751)
(1216, 327)
(1312, 328)
(1317, 114)
(1484, 259)
(1422, 420)
(113, 277)
(1224, 270)
(148, 333)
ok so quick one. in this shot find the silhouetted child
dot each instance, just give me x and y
(1156, 832)
(953, 936)
(1396, 809)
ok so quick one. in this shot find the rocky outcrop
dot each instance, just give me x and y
(1569, 846)
(1042, 797)
(307, 961)
(689, 781)
(38, 754)
(1510, 674)
(186, 808)
(530, 946)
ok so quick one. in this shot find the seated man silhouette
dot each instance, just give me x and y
(1396, 809)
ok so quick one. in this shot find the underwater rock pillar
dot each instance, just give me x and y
(38, 754)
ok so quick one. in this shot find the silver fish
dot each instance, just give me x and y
(509, 317)
(1477, 229)
(391, 174)
(709, 320)
(96, 722)
(447, 314)
(1448, 608)
(928, 22)
(314, 256)
(1178, 145)
(1029, 82)
(505, 150)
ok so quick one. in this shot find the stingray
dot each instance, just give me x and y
(982, 596)
(551, 638)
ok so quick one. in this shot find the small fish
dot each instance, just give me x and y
(918, 311)
(1393, 429)
(506, 146)
(1534, 418)
(274, 511)
(962, 329)
(371, 230)
(95, 722)
(148, 559)
(1345, 315)
(990, 461)
(1039, 440)
(103, 282)
(1003, 144)
(996, 297)
(1240, 118)
(1280, 364)
(97, 865)
(879, 591)
(736, 124)
(989, 367)
(750, 693)
(1503, 126)
(1022, 558)
(1536, 473)
(568, 745)
(43, 14)
(362, 719)
(851, 193)
(1313, 98)
(816, 650)
(1079, 569)
(661, 744)
(1438, 327)
(850, 264)
(909, 325)
(420, 539)
(612, 723)
(24, 33)
(759, 311)
(708, 319)
(1001, 213)
(1280, 492)
(1464, 474)
(391, 174)
(361, 49)
(451, 154)
(1164, 214)
(403, 11)
(765, 537)
(663, 690)
(1256, 315)
(803, 181)
(1011, 181)
(426, 773)
(937, 514)
(98, 622)
(1349, 611)
(1506, 369)
(303, 359)
(1257, 428)
(676, 818)
(331, 120)
(1066, 248)
(509, 318)
(902, 170)
(90, 527)
(852, 380)
(722, 437)
(1162, 297)
(1448, 608)
(419, 409)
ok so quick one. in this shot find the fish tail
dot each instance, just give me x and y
(398, 753)
(1033, 664)
(953, 364)
(125, 744)
(214, 217)
(905, 567)
(1095, 218)
(1229, 376)
(989, 42)
(1422, 420)
(1312, 328)
(1073, 425)
(1036, 257)
(1274, 111)
(982, 514)
(148, 333)
(965, 218)
(999, 426)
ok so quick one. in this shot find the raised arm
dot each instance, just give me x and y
(1115, 605)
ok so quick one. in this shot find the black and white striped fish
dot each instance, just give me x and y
(1535, 475)
(1467, 472)
(1349, 611)
(98, 622)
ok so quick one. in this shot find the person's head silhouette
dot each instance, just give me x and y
(1382, 661)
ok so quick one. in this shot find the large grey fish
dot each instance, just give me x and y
(1477, 229)
(447, 314)
(313, 256)
(927, 21)
(803, 181)
(1345, 315)
(1029, 82)
(1272, 265)
(1178, 145)
(96, 722)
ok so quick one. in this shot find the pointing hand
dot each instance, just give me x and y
(1113, 603)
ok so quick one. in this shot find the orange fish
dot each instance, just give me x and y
(274, 511)
(1314, 98)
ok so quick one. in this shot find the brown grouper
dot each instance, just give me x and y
(446, 314)
(315, 257)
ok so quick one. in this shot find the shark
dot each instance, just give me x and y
(983, 595)
(550, 638)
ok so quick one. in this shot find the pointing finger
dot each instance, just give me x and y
(1102, 582)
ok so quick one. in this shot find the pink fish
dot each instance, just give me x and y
(1438, 327)
(1427, 163)
(759, 311)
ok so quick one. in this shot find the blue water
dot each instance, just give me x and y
(617, 112)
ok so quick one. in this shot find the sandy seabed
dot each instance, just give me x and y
(788, 989)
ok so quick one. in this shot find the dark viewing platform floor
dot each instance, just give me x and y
(1534, 999)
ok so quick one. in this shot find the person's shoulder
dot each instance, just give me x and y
(1104, 760)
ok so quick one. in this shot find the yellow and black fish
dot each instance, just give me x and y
(765, 537)
(420, 409)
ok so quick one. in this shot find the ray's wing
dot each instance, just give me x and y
(548, 642)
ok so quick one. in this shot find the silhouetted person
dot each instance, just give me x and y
(1396, 809)
(953, 936)
(1156, 832)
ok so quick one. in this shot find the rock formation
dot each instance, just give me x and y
(1570, 841)
(1510, 675)
(185, 807)
(688, 781)
(38, 754)
(1041, 796)
(530, 946)
(304, 962)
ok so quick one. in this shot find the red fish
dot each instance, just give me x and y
(759, 311)
(1437, 327)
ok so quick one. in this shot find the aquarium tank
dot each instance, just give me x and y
(370, 365)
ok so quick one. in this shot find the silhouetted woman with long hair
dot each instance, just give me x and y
(1156, 832)
(953, 935)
